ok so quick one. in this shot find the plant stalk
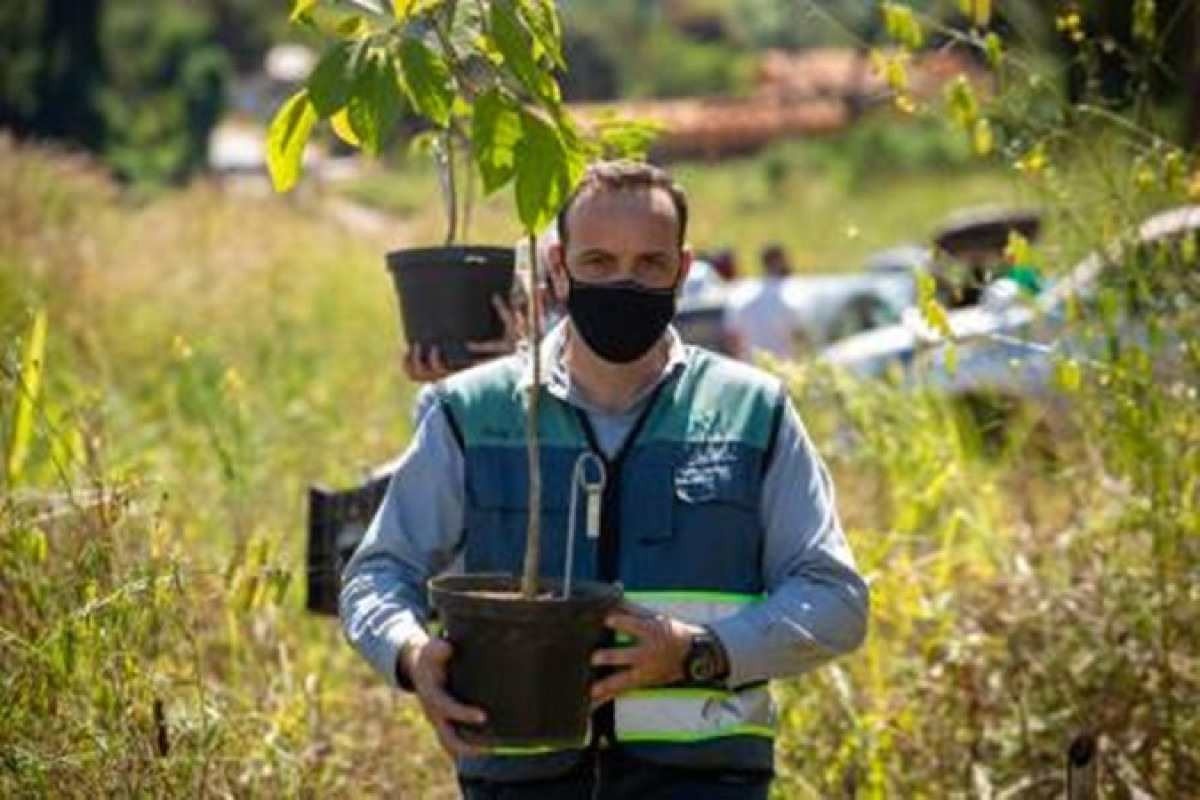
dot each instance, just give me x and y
(533, 533)
(446, 163)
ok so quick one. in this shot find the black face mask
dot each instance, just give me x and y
(621, 320)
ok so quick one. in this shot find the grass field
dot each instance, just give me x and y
(209, 355)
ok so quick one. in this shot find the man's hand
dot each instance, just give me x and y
(514, 331)
(425, 660)
(426, 364)
(655, 657)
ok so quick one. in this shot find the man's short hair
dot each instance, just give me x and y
(773, 252)
(626, 175)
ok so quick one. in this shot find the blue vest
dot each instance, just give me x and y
(680, 530)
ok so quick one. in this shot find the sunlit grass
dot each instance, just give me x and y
(210, 355)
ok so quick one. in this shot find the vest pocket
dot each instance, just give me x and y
(715, 522)
(496, 520)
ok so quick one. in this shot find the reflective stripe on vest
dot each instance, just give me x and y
(686, 714)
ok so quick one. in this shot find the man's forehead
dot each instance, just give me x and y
(648, 211)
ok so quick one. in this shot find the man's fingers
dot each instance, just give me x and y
(491, 348)
(436, 365)
(633, 609)
(636, 626)
(451, 742)
(617, 657)
(507, 317)
(415, 365)
(446, 707)
(614, 684)
(438, 650)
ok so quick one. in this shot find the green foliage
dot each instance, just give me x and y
(28, 385)
(163, 91)
(885, 145)
(427, 80)
(478, 71)
(495, 133)
(153, 640)
(286, 138)
(51, 52)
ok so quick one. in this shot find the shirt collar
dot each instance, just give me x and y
(557, 379)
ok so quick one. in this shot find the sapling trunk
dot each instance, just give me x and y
(533, 533)
(446, 162)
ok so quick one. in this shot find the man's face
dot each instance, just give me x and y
(623, 234)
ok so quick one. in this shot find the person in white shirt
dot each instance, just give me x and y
(759, 316)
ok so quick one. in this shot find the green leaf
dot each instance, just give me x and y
(330, 82)
(35, 546)
(542, 18)
(994, 49)
(404, 9)
(374, 100)
(961, 102)
(546, 169)
(901, 24)
(340, 123)
(950, 359)
(1144, 29)
(427, 79)
(980, 11)
(1068, 376)
(626, 138)
(516, 45)
(352, 27)
(28, 391)
(495, 131)
(302, 7)
(286, 138)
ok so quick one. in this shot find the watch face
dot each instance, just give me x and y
(702, 665)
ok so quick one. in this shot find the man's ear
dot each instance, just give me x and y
(685, 266)
(558, 271)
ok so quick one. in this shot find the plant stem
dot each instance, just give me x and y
(533, 534)
(448, 180)
(469, 197)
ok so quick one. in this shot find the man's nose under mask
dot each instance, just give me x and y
(622, 320)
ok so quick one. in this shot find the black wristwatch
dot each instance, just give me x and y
(705, 661)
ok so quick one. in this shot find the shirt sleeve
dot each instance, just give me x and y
(415, 534)
(817, 603)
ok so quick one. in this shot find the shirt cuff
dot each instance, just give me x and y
(385, 650)
(739, 640)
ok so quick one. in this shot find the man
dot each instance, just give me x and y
(760, 316)
(718, 518)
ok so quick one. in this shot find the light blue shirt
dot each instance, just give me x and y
(816, 606)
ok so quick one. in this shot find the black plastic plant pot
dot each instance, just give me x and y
(526, 663)
(446, 297)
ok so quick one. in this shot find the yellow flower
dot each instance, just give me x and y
(982, 138)
(180, 348)
(232, 383)
(1034, 162)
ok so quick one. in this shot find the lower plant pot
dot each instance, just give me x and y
(526, 663)
(446, 296)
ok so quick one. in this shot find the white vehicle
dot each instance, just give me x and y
(1007, 347)
(826, 306)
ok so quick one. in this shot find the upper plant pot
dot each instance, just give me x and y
(446, 297)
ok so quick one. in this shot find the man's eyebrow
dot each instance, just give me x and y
(594, 251)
